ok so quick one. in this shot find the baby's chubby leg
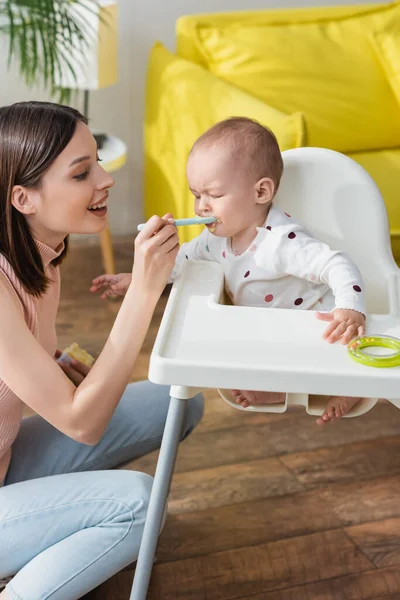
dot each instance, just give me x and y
(249, 398)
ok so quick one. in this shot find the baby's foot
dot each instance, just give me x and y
(246, 398)
(337, 407)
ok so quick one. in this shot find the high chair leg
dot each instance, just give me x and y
(158, 499)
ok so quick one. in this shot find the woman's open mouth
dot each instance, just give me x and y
(99, 209)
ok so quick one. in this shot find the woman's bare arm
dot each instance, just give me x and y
(83, 413)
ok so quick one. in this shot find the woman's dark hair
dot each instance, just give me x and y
(32, 135)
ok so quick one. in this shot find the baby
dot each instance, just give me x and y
(268, 258)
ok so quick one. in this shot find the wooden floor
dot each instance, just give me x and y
(261, 507)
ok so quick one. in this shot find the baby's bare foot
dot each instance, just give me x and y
(337, 407)
(246, 398)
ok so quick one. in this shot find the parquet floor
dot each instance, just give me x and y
(262, 507)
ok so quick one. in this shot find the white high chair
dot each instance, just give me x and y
(204, 344)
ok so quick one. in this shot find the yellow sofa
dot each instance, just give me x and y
(326, 77)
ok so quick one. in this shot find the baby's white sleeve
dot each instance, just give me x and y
(196, 249)
(299, 254)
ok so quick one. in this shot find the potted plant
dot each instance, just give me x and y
(42, 35)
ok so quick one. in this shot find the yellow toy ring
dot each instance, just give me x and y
(356, 346)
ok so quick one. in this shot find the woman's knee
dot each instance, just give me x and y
(126, 497)
(194, 414)
(138, 500)
(135, 492)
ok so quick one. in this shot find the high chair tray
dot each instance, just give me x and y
(202, 343)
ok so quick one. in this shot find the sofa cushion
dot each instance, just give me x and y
(187, 26)
(327, 69)
(387, 46)
(384, 168)
(183, 100)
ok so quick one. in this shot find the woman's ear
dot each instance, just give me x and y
(264, 188)
(21, 200)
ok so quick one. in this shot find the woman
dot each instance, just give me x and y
(66, 523)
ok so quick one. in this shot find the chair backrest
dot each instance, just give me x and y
(339, 202)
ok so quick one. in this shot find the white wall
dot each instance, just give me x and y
(119, 110)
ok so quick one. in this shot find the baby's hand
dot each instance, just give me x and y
(344, 325)
(115, 285)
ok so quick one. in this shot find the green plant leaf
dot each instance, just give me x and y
(42, 35)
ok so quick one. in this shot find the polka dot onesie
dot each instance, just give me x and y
(284, 267)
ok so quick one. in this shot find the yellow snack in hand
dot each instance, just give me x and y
(74, 351)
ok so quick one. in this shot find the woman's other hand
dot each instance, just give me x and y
(74, 369)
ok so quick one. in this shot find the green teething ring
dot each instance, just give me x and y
(355, 349)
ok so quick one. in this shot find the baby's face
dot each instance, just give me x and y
(222, 188)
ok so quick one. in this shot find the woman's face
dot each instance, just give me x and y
(72, 196)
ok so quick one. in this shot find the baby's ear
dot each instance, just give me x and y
(264, 188)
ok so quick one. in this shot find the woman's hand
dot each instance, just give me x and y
(74, 369)
(156, 248)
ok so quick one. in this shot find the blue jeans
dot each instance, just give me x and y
(66, 522)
